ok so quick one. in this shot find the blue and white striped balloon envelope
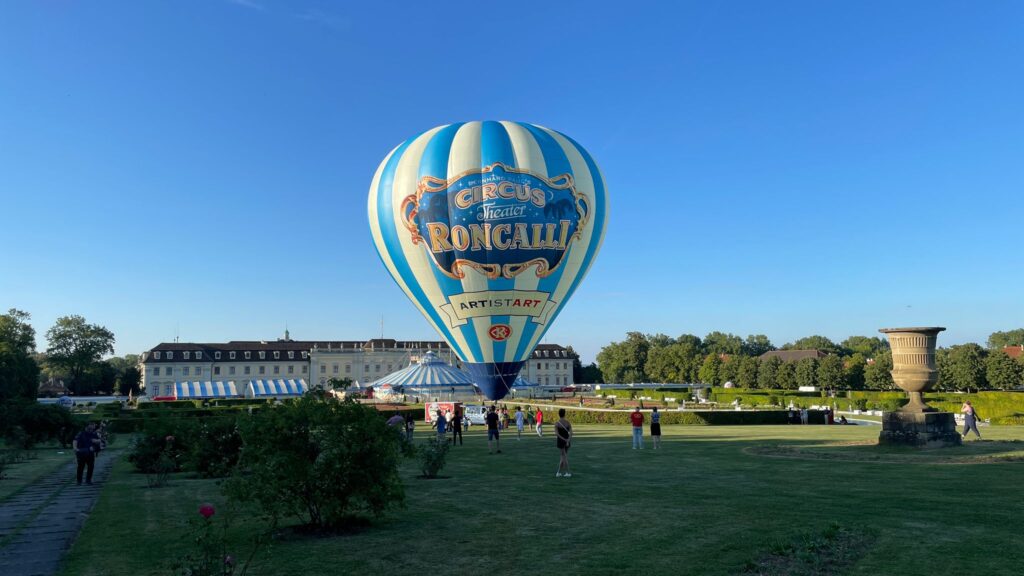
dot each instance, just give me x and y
(489, 227)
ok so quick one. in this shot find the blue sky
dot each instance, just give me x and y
(786, 168)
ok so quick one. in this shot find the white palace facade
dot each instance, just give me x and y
(317, 362)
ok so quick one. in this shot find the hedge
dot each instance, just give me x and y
(693, 418)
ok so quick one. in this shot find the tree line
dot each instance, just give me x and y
(856, 363)
(74, 357)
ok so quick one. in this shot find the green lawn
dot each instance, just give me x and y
(45, 459)
(711, 501)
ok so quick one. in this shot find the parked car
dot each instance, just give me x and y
(475, 413)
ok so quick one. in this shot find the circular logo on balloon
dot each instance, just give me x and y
(500, 332)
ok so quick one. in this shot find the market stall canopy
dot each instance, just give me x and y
(195, 389)
(275, 388)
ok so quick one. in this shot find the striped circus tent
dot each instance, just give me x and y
(431, 373)
(188, 390)
(275, 388)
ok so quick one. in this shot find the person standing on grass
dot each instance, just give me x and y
(970, 420)
(492, 430)
(457, 426)
(410, 426)
(803, 415)
(637, 419)
(519, 422)
(655, 427)
(540, 422)
(440, 427)
(563, 439)
(85, 444)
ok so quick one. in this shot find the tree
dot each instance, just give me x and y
(785, 376)
(814, 343)
(965, 367)
(624, 361)
(830, 373)
(709, 370)
(866, 346)
(720, 343)
(729, 368)
(853, 371)
(591, 374)
(19, 373)
(1000, 340)
(130, 382)
(757, 344)
(77, 347)
(878, 374)
(767, 372)
(577, 366)
(746, 375)
(807, 372)
(1003, 372)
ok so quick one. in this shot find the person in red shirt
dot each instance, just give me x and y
(637, 419)
(540, 422)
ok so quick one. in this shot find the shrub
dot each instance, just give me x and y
(216, 447)
(319, 460)
(162, 445)
(432, 456)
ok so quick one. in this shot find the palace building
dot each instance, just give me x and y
(316, 362)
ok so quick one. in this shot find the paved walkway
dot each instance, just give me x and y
(39, 524)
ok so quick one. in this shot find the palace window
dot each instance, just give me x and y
(199, 370)
(305, 355)
(156, 371)
(186, 353)
(167, 372)
(170, 355)
(248, 355)
(248, 370)
(277, 355)
(263, 355)
(199, 355)
(291, 369)
(231, 355)
(334, 368)
(263, 369)
(304, 368)
(348, 368)
(323, 368)
(231, 370)
(216, 355)
(277, 369)
(184, 371)
(156, 355)
(291, 354)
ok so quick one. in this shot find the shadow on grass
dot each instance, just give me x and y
(976, 452)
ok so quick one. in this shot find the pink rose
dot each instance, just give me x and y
(206, 510)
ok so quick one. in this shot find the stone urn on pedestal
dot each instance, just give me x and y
(915, 372)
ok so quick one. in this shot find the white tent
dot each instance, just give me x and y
(430, 375)
(189, 390)
(276, 388)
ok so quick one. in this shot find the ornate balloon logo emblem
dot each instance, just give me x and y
(489, 227)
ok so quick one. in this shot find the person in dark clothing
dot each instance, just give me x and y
(563, 439)
(457, 427)
(492, 430)
(970, 420)
(85, 445)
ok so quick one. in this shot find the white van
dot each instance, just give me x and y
(475, 413)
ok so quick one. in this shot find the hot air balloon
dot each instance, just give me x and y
(489, 227)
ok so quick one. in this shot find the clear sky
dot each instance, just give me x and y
(789, 168)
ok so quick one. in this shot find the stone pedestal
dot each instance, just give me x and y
(919, 429)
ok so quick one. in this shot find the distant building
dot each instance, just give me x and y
(316, 362)
(793, 355)
(1014, 351)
